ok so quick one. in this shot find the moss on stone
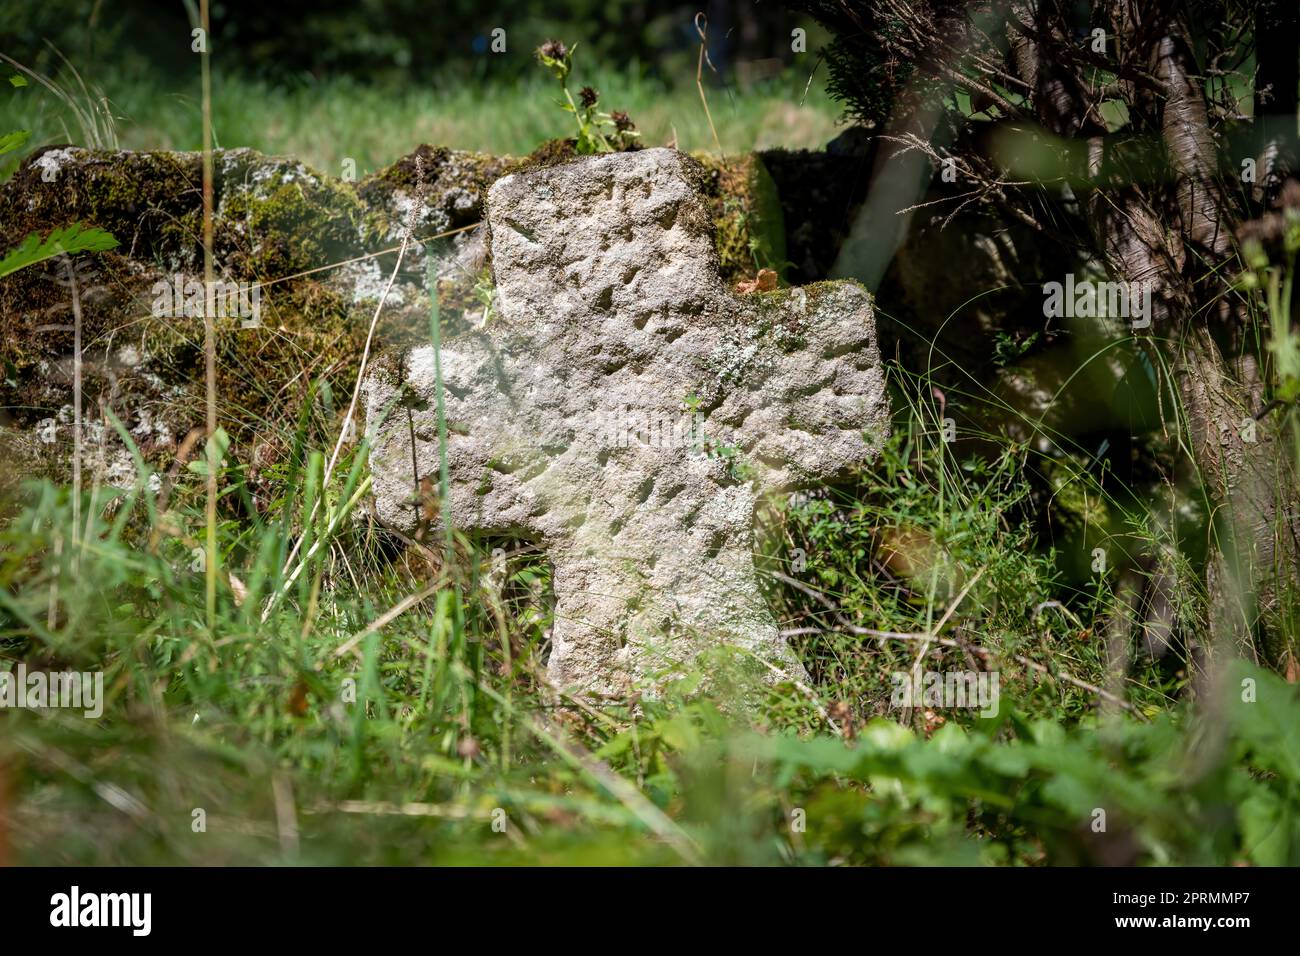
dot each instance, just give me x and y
(146, 200)
(553, 152)
(276, 219)
(452, 193)
(748, 224)
(273, 218)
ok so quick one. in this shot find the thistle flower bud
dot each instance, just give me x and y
(553, 49)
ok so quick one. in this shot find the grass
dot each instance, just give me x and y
(326, 123)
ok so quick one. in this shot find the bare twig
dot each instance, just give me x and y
(701, 27)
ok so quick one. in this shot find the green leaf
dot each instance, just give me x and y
(1268, 725)
(214, 450)
(70, 239)
(11, 141)
(1265, 820)
(1072, 794)
(17, 80)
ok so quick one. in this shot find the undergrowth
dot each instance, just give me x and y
(317, 735)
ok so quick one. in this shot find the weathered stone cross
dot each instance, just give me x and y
(612, 321)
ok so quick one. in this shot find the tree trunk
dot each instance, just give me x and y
(1247, 468)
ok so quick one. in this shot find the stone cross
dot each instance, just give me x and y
(624, 410)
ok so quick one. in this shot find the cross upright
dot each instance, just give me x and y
(612, 317)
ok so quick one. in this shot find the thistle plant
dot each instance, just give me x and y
(597, 132)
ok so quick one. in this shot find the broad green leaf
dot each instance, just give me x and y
(1269, 724)
(1072, 795)
(67, 240)
(11, 141)
(1265, 820)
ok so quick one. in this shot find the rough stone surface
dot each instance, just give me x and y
(566, 420)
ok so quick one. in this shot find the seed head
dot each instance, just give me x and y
(553, 49)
